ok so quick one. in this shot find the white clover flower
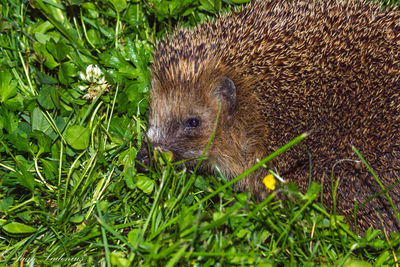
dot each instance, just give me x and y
(89, 68)
(93, 73)
(96, 82)
(83, 77)
(102, 80)
(83, 87)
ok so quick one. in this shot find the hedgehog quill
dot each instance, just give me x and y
(279, 69)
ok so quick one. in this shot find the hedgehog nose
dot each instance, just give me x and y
(143, 158)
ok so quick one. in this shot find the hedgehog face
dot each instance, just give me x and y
(182, 120)
(183, 130)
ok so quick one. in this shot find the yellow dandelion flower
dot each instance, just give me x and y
(269, 182)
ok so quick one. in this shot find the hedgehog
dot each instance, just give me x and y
(274, 70)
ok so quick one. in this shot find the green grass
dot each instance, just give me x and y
(70, 193)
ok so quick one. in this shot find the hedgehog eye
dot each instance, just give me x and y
(193, 123)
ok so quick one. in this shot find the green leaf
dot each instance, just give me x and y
(201, 183)
(144, 183)
(24, 177)
(50, 169)
(240, 1)
(45, 79)
(54, 96)
(134, 16)
(58, 50)
(5, 203)
(129, 182)
(118, 259)
(134, 236)
(8, 87)
(243, 232)
(91, 10)
(120, 4)
(44, 97)
(116, 60)
(66, 72)
(39, 121)
(44, 141)
(112, 59)
(60, 123)
(128, 174)
(10, 121)
(77, 219)
(77, 137)
(42, 38)
(352, 262)
(383, 257)
(1, 125)
(42, 27)
(94, 37)
(62, 50)
(45, 56)
(18, 228)
(313, 191)
(19, 142)
(208, 5)
(15, 103)
(120, 127)
(134, 94)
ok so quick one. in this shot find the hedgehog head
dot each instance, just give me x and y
(193, 80)
(184, 108)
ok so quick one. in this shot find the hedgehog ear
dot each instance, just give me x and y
(226, 90)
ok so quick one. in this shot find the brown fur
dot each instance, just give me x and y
(329, 67)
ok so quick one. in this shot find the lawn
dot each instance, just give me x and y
(74, 82)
